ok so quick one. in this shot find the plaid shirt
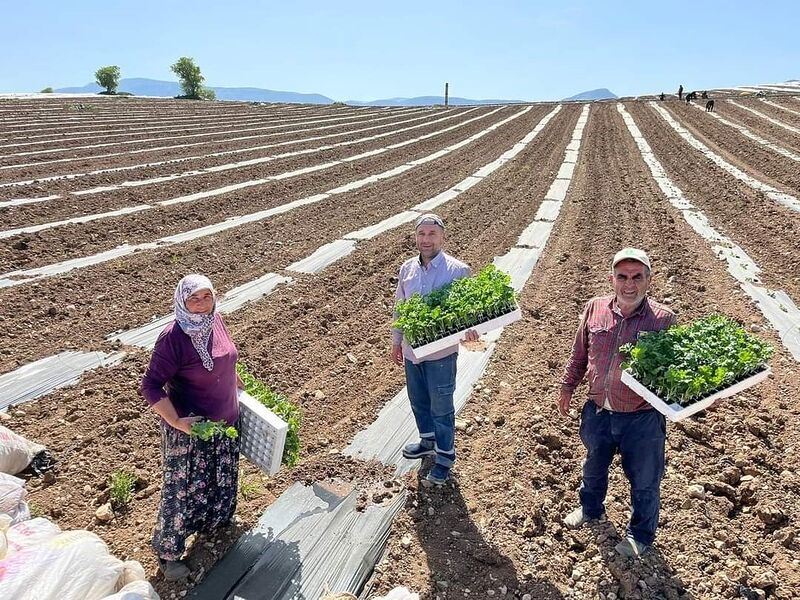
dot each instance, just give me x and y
(595, 353)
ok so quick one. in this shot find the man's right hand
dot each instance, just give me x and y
(563, 402)
(184, 424)
(397, 354)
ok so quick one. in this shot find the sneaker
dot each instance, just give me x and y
(576, 518)
(174, 570)
(418, 450)
(630, 548)
(438, 474)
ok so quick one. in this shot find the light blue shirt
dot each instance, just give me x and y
(416, 279)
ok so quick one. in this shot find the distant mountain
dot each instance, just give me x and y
(153, 87)
(598, 94)
(427, 101)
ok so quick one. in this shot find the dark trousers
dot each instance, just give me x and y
(639, 438)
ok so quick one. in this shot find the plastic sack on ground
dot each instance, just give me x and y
(44, 563)
(136, 590)
(398, 593)
(16, 452)
(12, 498)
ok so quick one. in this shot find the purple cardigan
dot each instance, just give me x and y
(175, 367)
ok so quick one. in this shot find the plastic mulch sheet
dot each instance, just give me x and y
(309, 538)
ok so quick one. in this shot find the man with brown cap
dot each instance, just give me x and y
(431, 381)
(615, 419)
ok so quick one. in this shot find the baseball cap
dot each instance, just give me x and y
(429, 219)
(631, 254)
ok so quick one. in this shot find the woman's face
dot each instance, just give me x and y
(201, 302)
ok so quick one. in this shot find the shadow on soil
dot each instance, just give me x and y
(459, 558)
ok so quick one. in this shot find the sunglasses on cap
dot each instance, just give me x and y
(429, 220)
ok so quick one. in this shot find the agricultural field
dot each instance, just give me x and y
(302, 216)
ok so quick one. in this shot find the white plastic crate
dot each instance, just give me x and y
(451, 340)
(262, 434)
(674, 411)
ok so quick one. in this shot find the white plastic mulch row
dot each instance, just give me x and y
(780, 106)
(770, 192)
(338, 122)
(43, 376)
(25, 276)
(176, 137)
(766, 117)
(242, 185)
(136, 122)
(749, 134)
(395, 426)
(778, 308)
(181, 159)
(761, 115)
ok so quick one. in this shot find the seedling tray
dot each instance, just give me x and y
(455, 338)
(262, 434)
(674, 411)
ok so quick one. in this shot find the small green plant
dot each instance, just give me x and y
(280, 405)
(207, 93)
(249, 488)
(462, 304)
(686, 363)
(206, 430)
(121, 491)
(47, 90)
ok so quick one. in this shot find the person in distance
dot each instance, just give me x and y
(191, 377)
(431, 381)
(615, 419)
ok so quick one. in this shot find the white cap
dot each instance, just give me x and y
(631, 254)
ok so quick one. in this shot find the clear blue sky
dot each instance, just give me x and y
(354, 49)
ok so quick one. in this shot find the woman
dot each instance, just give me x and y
(192, 377)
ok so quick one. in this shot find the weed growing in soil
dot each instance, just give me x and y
(249, 488)
(280, 405)
(121, 491)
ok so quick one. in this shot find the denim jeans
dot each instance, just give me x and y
(639, 438)
(430, 389)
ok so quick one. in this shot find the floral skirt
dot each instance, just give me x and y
(199, 490)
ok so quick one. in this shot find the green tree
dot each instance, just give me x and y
(47, 90)
(108, 77)
(191, 79)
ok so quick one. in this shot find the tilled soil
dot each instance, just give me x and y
(496, 528)
(770, 131)
(81, 305)
(767, 231)
(76, 240)
(31, 167)
(759, 161)
(776, 113)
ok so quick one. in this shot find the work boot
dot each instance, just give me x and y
(438, 474)
(419, 449)
(630, 548)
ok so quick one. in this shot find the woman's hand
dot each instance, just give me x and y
(184, 424)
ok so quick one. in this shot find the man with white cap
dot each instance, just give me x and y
(431, 380)
(615, 419)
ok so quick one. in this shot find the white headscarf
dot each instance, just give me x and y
(197, 326)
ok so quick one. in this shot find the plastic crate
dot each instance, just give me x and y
(262, 434)
(676, 412)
